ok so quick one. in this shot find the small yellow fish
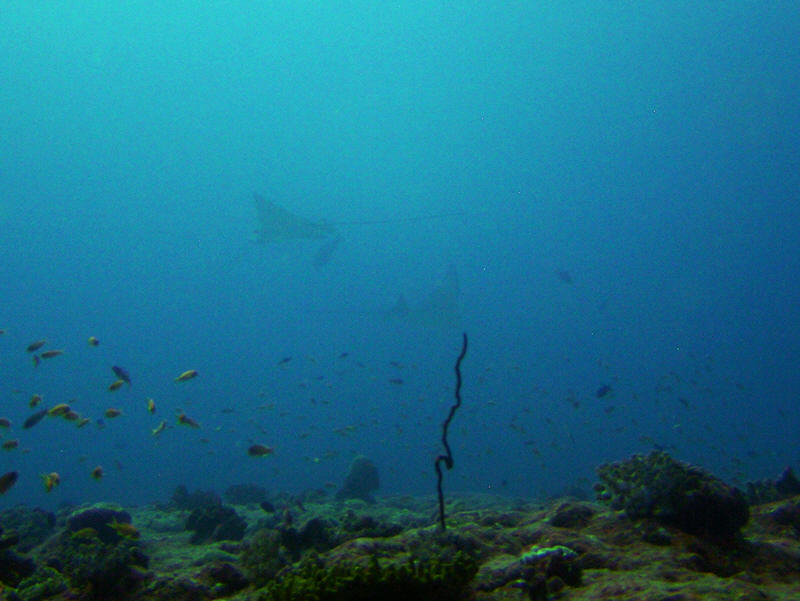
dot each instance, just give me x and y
(87, 533)
(51, 480)
(60, 409)
(151, 406)
(35, 400)
(116, 385)
(124, 529)
(93, 341)
(187, 375)
(159, 428)
(112, 412)
(72, 416)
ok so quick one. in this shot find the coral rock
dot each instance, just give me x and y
(658, 486)
(244, 494)
(215, 523)
(361, 481)
(100, 520)
(183, 499)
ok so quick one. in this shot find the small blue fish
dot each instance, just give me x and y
(34, 419)
(122, 374)
(603, 391)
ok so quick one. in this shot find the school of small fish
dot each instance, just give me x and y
(64, 410)
(674, 394)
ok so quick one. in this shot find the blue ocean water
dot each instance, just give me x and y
(615, 186)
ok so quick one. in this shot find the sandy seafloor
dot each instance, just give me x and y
(312, 546)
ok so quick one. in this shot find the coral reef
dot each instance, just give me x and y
(766, 491)
(264, 556)
(364, 577)
(183, 499)
(215, 523)
(316, 534)
(222, 578)
(244, 494)
(494, 549)
(361, 481)
(658, 486)
(103, 569)
(99, 519)
(572, 515)
(359, 525)
(44, 583)
(13, 566)
(539, 572)
(32, 525)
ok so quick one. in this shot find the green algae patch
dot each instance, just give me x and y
(537, 553)
(42, 584)
(395, 579)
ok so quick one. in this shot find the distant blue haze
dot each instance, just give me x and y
(649, 150)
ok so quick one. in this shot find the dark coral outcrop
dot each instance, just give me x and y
(361, 481)
(244, 494)
(99, 519)
(215, 523)
(675, 493)
(183, 499)
(101, 567)
(13, 566)
(31, 524)
(766, 491)
(350, 573)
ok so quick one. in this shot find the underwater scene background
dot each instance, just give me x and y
(605, 194)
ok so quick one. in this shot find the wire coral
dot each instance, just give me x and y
(447, 459)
